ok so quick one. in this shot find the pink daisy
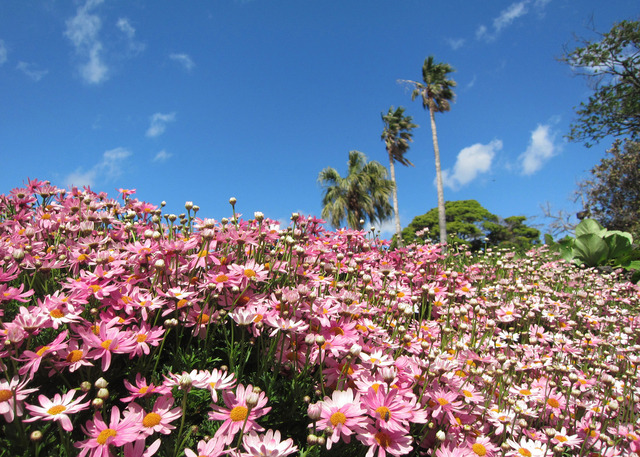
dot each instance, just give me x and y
(267, 445)
(160, 418)
(57, 409)
(212, 448)
(12, 396)
(386, 441)
(118, 433)
(342, 415)
(142, 389)
(239, 416)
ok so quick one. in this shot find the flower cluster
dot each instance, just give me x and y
(139, 333)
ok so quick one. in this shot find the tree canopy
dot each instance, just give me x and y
(360, 196)
(613, 191)
(470, 223)
(612, 66)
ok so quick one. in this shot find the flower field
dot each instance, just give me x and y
(125, 331)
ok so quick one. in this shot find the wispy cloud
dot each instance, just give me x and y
(387, 228)
(162, 156)
(3, 52)
(159, 123)
(83, 31)
(507, 17)
(133, 47)
(183, 59)
(32, 71)
(471, 161)
(541, 148)
(108, 169)
(455, 43)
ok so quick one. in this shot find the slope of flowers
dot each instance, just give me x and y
(125, 331)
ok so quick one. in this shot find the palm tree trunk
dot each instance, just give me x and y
(441, 214)
(392, 171)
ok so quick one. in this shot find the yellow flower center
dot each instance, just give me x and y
(249, 273)
(141, 338)
(384, 412)
(105, 435)
(553, 403)
(222, 278)
(525, 392)
(74, 356)
(467, 394)
(443, 401)
(338, 418)
(525, 452)
(42, 350)
(151, 420)
(143, 390)
(56, 313)
(57, 409)
(105, 344)
(561, 438)
(239, 413)
(479, 449)
(5, 395)
(383, 439)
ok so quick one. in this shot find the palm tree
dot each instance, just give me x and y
(363, 194)
(436, 93)
(397, 136)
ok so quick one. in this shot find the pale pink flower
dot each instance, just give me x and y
(12, 396)
(142, 389)
(57, 409)
(212, 448)
(160, 418)
(384, 441)
(267, 445)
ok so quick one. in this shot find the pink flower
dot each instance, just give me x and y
(239, 416)
(267, 445)
(57, 409)
(391, 411)
(386, 442)
(12, 396)
(342, 415)
(160, 418)
(142, 389)
(212, 448)
(33, 359)
(111, 339)
(118, 433)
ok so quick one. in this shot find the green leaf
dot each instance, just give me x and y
(619, 246)
(589, 226)
(590, 249)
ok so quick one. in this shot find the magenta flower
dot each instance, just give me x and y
(57, 409)
(212, 448)
(239, 416)
(33, 359)
(118, 433)
(142, 389)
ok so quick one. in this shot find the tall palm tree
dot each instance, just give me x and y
(363, 194)
(397, 136)
(436, 93)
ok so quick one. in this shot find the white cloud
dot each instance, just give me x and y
(455, 43)
(134, 47)
(184, 60)
(159, 123)
(3, 52)
(510, 14)
(109, 168)
(507, 17)
(31, 71)
(162, 156)
(541, 148)
(83, 31)
(387, 228)
(471, 161)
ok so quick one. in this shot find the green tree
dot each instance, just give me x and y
(612, 193)
(397, 136)
(436, 92)
(512, 233)
(363, 194)
(612, 65)
(470, 223)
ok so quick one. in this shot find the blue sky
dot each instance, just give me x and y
(205, 100)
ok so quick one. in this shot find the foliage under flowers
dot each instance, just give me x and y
(126, 332)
